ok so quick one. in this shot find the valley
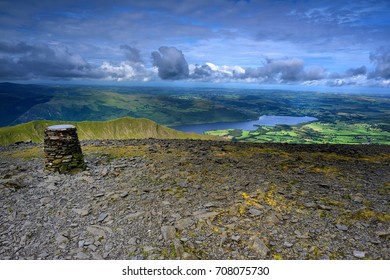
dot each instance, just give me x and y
(342, 118)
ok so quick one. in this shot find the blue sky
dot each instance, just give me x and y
(305, 43)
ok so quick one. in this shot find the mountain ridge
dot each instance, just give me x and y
(117, 129)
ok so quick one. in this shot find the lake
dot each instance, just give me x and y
(248, 125)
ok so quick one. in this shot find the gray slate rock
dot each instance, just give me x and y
(342, 227)
(255, 212)
(82, 212)
(102, 217)
(259, 247)
(184, 223)
(135, 215)
(359, 254)
(96, 231)
(82, 256)
(168, 232)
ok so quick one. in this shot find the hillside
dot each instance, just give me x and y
(167, 106)
(182, 199)
(342, 118)
(124, 128)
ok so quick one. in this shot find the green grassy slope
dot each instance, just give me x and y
(124, 128)
(94, 104)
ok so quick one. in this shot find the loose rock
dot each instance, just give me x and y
(184, 223)
(342, 227)
(102, 217)
(168, 232)
(257, 203)
(258, 247)
(359, 254)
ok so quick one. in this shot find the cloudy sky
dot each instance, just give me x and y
(326, 43)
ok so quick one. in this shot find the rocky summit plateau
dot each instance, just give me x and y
(183, 199)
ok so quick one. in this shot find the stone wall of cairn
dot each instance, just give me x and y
(62, 149)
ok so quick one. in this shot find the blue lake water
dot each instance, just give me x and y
(248, 125)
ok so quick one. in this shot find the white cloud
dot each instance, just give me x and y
(127, 71)
(53, 61)
(210, 72)
(212, 66)
(118, 73)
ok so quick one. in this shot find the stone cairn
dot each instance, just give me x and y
(62, 149)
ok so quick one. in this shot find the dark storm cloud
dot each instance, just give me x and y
(202, 72)
(210, 73)
(132, 54)
(285, 69)
(171, 63)
(315, 73)
(11, 48)
(289, 70)
(278, 70)
(26, 61)
(381, 59)
(356, 71)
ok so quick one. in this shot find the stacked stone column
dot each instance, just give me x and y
(62, 149)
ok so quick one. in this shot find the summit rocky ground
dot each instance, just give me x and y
(181, 199)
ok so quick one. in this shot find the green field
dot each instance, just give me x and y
(313, 133)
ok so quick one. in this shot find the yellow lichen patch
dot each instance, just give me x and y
(221, 154)
(364, 214)
(115, 152)
(276, 201)
(271, 196)
(277, 257)
(270, 201)
(331, 202)
(368, 215)
(385, 189)
(255, 152)
(245, 195)
(229, 148)
(314, 252)
(177, 192)
(283, 154)
(341, 157)
(253, 200)
(327, 170)
(326, 156)
(375, 158)
(383, 217)
(241, 210)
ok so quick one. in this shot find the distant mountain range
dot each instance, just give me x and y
(167, 106)
(124, 128)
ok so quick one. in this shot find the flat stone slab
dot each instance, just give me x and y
(60, 127)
